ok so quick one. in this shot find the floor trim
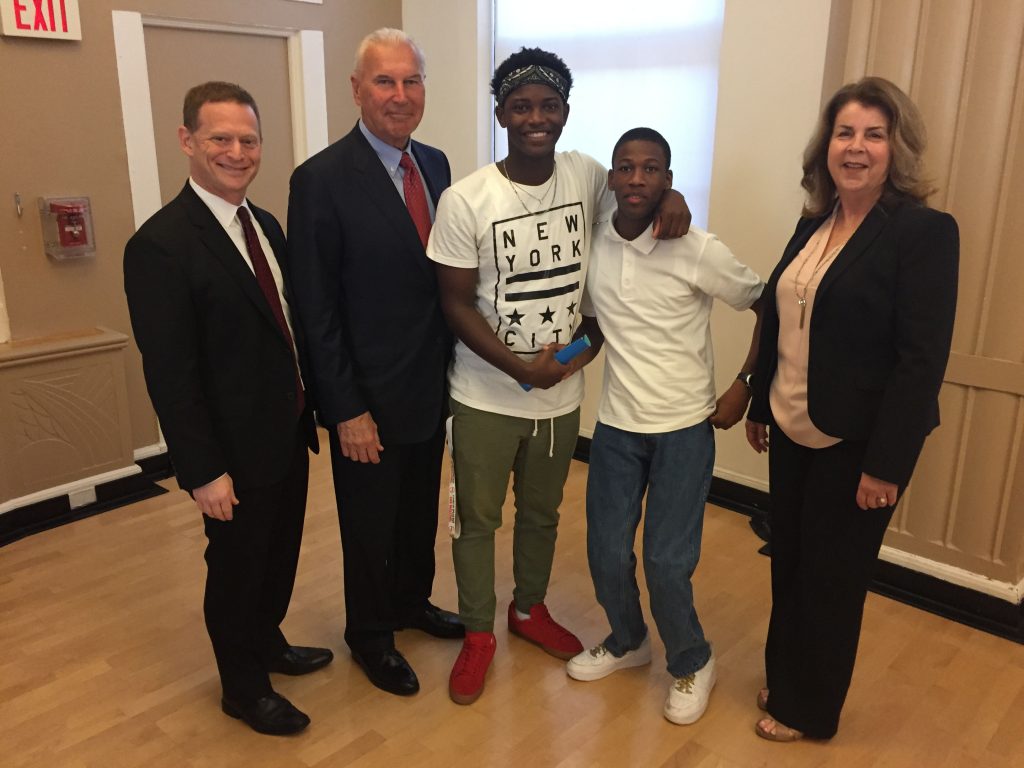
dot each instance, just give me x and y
(50, 513)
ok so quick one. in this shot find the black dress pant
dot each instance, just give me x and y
(824, 548)
(251, 562)
(388, 516)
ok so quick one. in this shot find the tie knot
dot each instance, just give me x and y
(406, 162)
(243, 214)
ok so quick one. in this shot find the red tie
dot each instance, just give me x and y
(265, 278)
(415, 198)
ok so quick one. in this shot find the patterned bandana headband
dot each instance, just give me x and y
(534, 73)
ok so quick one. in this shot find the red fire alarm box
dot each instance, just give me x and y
(67, 227)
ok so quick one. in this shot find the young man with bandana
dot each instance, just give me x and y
(511, 242)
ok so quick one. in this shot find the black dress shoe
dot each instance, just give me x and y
(388, 670)
(299, 660)
(272, 714)
(437, 622)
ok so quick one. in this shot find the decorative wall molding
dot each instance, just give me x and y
(64, 424)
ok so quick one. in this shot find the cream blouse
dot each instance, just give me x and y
(788, 394)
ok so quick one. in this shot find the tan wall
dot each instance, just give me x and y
(458, 115)
(63, 136)
(755, 191)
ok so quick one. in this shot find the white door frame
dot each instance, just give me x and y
(306, 77)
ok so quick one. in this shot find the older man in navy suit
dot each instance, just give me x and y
(366, 295)
(209, 309)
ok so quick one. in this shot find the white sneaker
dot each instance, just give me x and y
(599, 662)
(688, 696)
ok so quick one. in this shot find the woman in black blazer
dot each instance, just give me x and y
(853, 351)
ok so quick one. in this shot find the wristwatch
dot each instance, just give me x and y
(746, 378)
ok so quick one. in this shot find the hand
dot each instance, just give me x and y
(757, 435)
(577, 363)
(672, 217)
(873, 493)
(359, 439)
(731, 405)
(216, 499)
(545, 371)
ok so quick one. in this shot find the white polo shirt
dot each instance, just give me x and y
(652, 299)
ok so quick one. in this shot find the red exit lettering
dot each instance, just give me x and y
(44, 11)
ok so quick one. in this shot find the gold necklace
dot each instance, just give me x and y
(801, 298)
(540, 199)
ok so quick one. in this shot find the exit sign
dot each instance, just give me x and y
(52, 19)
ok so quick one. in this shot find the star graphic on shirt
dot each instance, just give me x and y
(572, 308)
(515, 318)
(548, 315)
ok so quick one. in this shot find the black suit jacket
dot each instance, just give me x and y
(880, 334)
(365, 291)
(218, 369)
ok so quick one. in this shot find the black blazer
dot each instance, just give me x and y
(366, 294)
(218, 369)
(880, 334)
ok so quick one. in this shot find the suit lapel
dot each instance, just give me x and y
(861, 240)
(430, 173)
(381, 189)
(213, 237)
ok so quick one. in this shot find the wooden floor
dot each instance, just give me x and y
(104, 661)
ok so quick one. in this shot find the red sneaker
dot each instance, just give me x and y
(466, 682)
(540, 629)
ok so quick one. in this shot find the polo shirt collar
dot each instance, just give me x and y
(645, 242)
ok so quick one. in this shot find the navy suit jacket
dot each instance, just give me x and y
(880, 334)
(219, 371)
(366, 294)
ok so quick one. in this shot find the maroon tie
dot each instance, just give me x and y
(265, 278)
(415, 197)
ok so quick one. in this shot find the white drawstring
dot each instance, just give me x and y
(551, 442)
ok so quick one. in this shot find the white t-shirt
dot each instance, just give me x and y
(530, 246)
(652, 299)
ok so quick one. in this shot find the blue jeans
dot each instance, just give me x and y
(675, 470)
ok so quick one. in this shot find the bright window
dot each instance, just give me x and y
(651, 63)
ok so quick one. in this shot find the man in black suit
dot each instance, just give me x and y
(367, 299)
(210, 314)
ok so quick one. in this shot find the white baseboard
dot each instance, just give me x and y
(740, 479)
(78, 489)
(1004, 590)
(148, 451)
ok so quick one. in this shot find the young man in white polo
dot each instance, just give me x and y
(651, 300)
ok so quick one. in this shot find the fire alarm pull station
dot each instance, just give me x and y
(67, 227)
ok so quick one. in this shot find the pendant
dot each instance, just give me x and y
(803, 307)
